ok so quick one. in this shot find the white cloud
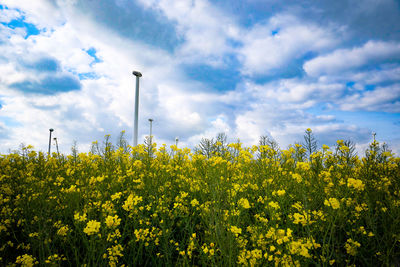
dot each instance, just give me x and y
(386, 74)
(54, 43)
(295, 90)
(287, 126)
(105, 104)
(42, 13)
(296, 93)
(204, 29)
(264, 51)
(218, 125)
(380, 99)
(247, 128)
(8, 15)
(342, 60)
(178, 105)
(383, 73)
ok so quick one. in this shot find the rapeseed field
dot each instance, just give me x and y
(219, 205)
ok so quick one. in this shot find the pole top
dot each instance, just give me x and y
(51, 129)
(136, 73)
(150, 120)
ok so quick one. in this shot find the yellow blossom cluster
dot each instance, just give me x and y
(92, 227)
(113, 221)
(356, 184)
(332, 202)
(218, 205)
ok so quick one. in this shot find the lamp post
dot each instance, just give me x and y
(55, 140)
(135, 130)
(151, 138)
(50, 130)
(176, 141)
(151, 127)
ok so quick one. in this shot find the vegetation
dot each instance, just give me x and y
(222, 205)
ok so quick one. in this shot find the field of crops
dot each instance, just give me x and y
(221, 205)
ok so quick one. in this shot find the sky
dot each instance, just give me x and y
(245, 68)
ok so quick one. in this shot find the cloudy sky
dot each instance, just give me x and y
(246, 68)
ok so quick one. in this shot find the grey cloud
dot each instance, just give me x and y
(364, 20)
(3, 133)
(342, 60)
(43, 64)
(130, 20)
(49, 85)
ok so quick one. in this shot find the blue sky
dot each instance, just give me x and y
(246, 68)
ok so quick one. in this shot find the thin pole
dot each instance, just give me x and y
(50, 130)
(151, 124)
(151, 137)
(135, 130)
(55, 139)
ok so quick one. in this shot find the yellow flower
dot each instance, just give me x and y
(80, 218)
(351, 246)
(305, 166)
(356, 184)
(297, 177)
(92, 227)
(281, 192)
(55, 259)
(131, 202)
(256, 253)
(236, 230)
(274, 204)
(332, 202)
(194, 202)
(298, 218)
(114, 253)
(63, 231)
(26, 260)
(116, 196)
(244, 203)
(112, 221)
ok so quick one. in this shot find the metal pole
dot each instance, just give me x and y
(151, 124)
(151, 137)
(55, 139)
(50, 130)
(135, 130)
(176, 141)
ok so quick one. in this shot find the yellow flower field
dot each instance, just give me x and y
(142, 206)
